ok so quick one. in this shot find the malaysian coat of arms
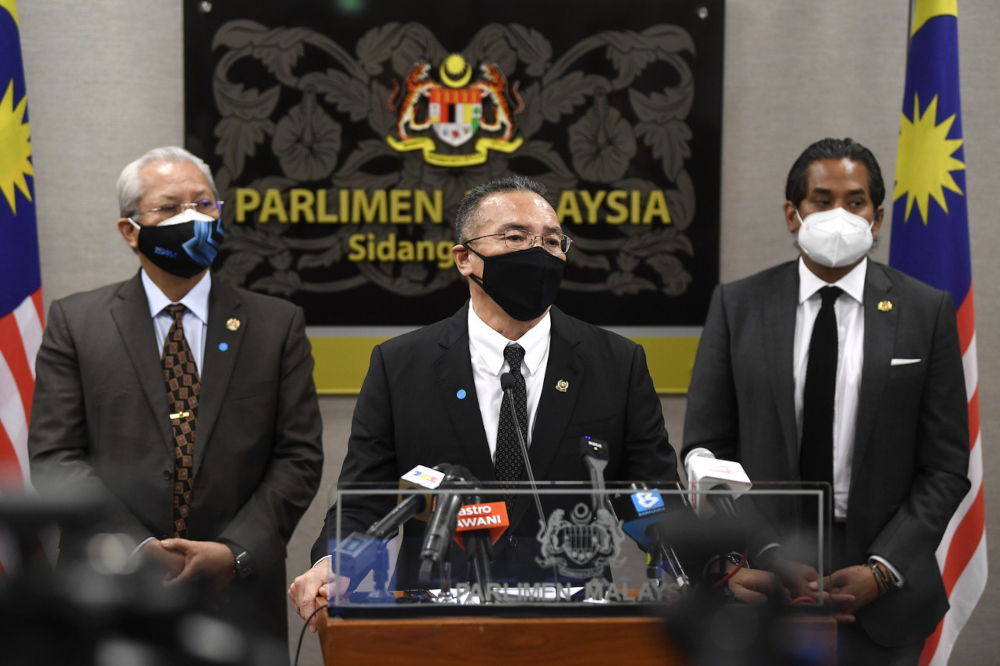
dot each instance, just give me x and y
(582, 545)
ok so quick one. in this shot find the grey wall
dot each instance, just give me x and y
(105, 82)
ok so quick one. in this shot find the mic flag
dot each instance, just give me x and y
(490, 516)
(705, 474)
(425, 477)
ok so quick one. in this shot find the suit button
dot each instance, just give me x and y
(167, 474)
(511, 541)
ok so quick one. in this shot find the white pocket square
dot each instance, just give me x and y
(904, 361)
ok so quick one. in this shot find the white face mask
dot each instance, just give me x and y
(835, 238)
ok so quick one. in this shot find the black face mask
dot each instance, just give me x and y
(184, 249)
(523, 283)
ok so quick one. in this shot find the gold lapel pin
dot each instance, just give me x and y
(562, 385)
(884, 306)
(233, 324)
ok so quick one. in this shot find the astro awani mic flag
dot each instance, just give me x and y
(20, 274)
(930, 241)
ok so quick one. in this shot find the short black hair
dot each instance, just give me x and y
(471, 202)
(833, 149)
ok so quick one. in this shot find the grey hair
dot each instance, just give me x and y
(130, 184)
(469, 208)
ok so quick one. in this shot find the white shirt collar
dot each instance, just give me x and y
(491, 344)
(195, 300)
(853, 283)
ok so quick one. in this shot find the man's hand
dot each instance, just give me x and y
(315, 583)
(800, 579)
(851, 589)
(169, 561)
(756, 587)
(202, 559)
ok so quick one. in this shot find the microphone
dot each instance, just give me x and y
(443, 521)
(507, 385)
(645, 519)
(479, 526)
(358, 551)
(705, 472)
(595, 454)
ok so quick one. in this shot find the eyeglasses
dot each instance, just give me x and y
(520, 240)
(203, 206)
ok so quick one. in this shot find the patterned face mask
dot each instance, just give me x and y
(183, 245)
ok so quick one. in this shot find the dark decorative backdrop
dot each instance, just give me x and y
(344, 133)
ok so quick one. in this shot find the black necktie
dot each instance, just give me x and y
(508, 462)
(183, 390)
(816, 454)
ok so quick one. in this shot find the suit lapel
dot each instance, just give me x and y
(880, 334)
(779, 330)
(554, 407)
(222, 347)
(135, 325)
(452, 373)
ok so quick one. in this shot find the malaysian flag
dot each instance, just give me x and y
(20, 274)
(930, 241)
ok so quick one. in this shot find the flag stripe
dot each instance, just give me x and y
(30, 326)
(966, 315)
(975, 479)
(13, 351)
(964, 595)
(971, 367)
(964, 543)
(973, 421)
(36, 298)
(11, 480)
(15, 426)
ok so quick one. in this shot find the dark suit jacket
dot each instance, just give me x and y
(100, 424)
(911, 448)
(408, 413)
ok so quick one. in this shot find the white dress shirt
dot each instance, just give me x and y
(486, 349)
(851, 357)
(194, 319)
(850, 360)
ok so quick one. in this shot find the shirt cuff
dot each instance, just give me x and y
(897, 578)
(139, 547)
(326, 557)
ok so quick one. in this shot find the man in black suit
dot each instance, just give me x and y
(186, 405)
(834, 368)
(434, 395)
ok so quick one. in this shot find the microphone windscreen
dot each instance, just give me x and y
(506, 381)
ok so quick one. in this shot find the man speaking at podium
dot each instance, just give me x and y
(434, 395)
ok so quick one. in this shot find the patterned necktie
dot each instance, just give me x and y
(183, 389)
(816, 456)
(508, 462)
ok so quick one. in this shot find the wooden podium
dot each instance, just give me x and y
(596, 641)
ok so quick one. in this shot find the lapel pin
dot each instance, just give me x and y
(884, 306)
(562, 385)
(233, 324)
(223, 346)
(461, 394)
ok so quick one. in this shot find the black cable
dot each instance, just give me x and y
(302, 633)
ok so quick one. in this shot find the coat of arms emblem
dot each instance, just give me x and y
(583, 545)
(454, 111)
